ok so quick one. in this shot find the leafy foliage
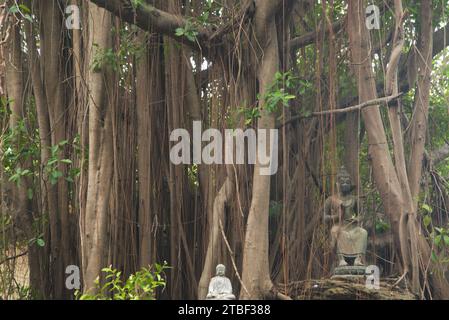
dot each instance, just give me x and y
(22, 10)
(137, 3)
(120, 60)
(381, 225)
(210, 10)
(277, 94)
(52, 167)
(249, 114)
(104, 57)
(20, 146)
(189, 31)
(141, 285)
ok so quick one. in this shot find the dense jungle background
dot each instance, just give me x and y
(91, 90)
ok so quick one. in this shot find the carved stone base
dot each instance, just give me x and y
(221, 297)
(350, 271)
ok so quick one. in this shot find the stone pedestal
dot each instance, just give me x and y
(221, 297)
(350, 271)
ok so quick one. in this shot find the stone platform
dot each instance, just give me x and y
(350, 271)
(345, 288)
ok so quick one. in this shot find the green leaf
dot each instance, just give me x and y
(40, 242)
(14, 9)
(179, 32)
(192, 36)
(28, 17)
(427, 220)
(434, 257)
(51, 162)
(69, 179)
(137, 3)
(446, 240)
(30, 193)
(54, 149)
(24, 8)
(66, 161)
(54, 176)
(437, 240)
(427, 208)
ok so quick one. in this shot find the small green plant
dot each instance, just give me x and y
(381, 225)
(141, 285)
(52, 168)
(136, 3)
(4, 110)
(38, 240)
(21, 9)
(438, 236)
(275, 209)
(441, 237)
(277, 94)
(119, 60)
(18, 175)
(249, 114)
(19, 149)
(104, 57)
(192, 173)
(210, 8)
(189, 31)
(19, 145)
(204, 17)
(427, 211)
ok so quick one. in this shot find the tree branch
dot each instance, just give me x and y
(310, 37)
(345, 110)
(360, 106)
(149, 18)
(13, 257)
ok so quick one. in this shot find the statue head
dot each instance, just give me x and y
(344, 181)
(220, 270)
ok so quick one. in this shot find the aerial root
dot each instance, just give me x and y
(400, 279)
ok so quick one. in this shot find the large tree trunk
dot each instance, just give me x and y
(418, 129)
(143, 96)
(256, 270)
(409, 245)
(52, 63)
(95, 220)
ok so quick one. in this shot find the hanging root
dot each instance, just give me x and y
(281, 296)
(403, 277)
(274, 294)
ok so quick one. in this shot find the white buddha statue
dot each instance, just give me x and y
(220, 287)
